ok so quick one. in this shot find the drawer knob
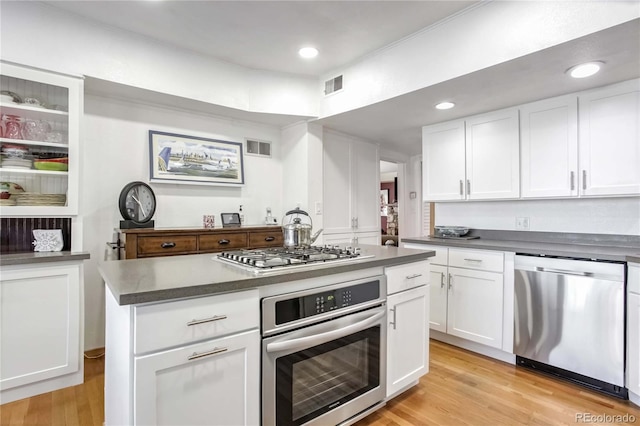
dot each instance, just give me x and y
(214, 351)
(269, 238)
(223, 241)
(169, 244)
(205, 320)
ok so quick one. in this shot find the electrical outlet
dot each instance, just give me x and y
(318, 208)
(522, 223)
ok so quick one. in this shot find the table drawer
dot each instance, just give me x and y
(223, 241)
(403, 277)
(167, 245)
(481, 260)
(185, 321)
(266, 239)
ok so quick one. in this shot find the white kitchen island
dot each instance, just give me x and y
(183, 333)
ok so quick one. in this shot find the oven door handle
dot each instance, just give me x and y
(317, 339)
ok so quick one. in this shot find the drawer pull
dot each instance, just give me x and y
(214, 351)
(170, 244)
(441, 279)
(269, 238)
(450, 281)
(223, 241)
(473, 260)
(410, 277)
(202, 321)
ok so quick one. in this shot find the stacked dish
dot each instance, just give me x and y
(35, 199)
(15, 157)
(52, 164)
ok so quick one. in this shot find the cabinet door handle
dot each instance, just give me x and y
(393, 323)
(356, 223)
(584, 179)
(468, 187)
(169, 244)
(213, 351)
(450, 281)
(353, 222)
(223, 241)
(573, 181)
(461, 187)
(441, 279)
(473, 260)
(410, 277)
(202, 321)
(269, 238)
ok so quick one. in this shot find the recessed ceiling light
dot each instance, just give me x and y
(308, 52)
(585, 70)
(445, 105)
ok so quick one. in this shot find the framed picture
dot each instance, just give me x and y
(384, 200)
(194, 160)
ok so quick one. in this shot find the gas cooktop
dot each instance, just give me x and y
(280, 258)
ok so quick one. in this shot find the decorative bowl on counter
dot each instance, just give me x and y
(451, 231)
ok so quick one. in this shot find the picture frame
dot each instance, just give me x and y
(183, 159)
(384, 200)
(230, 219)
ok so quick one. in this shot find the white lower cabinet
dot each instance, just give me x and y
(633, 333)
(214, 382)
(467, 294)
(353, 238)
(407, 329)
(40, 328)
(202, 369)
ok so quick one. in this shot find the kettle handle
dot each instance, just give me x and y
(296, 211)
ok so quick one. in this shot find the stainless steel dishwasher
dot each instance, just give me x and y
(569, 320)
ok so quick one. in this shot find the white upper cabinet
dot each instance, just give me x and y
(610, 140)
(351, 185)
(443, 163)
(473, 159)
(45, 125)
(493, 156)
(549, 137)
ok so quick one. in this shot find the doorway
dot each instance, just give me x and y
(389, 203)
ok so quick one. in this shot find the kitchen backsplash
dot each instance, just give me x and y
(16, 235)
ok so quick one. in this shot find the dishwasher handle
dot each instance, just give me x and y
(564, 271)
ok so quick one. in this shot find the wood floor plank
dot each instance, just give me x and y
(461, 389)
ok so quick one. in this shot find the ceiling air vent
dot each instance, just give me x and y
(256, 147)
(333, 85)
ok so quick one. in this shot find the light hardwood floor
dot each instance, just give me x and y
(462, 388)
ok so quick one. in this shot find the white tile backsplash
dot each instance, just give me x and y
(598, 216)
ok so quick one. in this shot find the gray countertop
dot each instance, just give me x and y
(635, 258)
(31, 258)
(164, 278)
(591, 249)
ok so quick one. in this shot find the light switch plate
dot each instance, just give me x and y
(318, 208)
(522, 223)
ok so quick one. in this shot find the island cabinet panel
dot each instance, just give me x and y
(140, 243)
(408, 325)
(192, 361)
(211, 383)
(163, 246)
(223, 241)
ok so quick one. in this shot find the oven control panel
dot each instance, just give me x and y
(325, 301)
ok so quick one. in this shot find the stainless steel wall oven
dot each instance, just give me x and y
(323, 353)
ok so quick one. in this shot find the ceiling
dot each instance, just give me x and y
(267, 34)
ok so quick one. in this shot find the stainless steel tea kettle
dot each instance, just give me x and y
(297, 234)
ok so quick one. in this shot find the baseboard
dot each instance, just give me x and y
(92, 353)
(634, 398)
(473, 346)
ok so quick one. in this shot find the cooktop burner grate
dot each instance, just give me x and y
(282, 257)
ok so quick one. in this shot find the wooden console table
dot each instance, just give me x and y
(139, 243)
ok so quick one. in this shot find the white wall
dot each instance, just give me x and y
(491, 33)
(42, 36)
(598, 216)
(115, 151)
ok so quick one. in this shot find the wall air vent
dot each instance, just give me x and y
(333, 85)
(260, 148)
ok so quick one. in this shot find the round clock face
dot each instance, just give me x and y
(137, 202)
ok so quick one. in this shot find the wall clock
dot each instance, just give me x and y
(137, 205)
